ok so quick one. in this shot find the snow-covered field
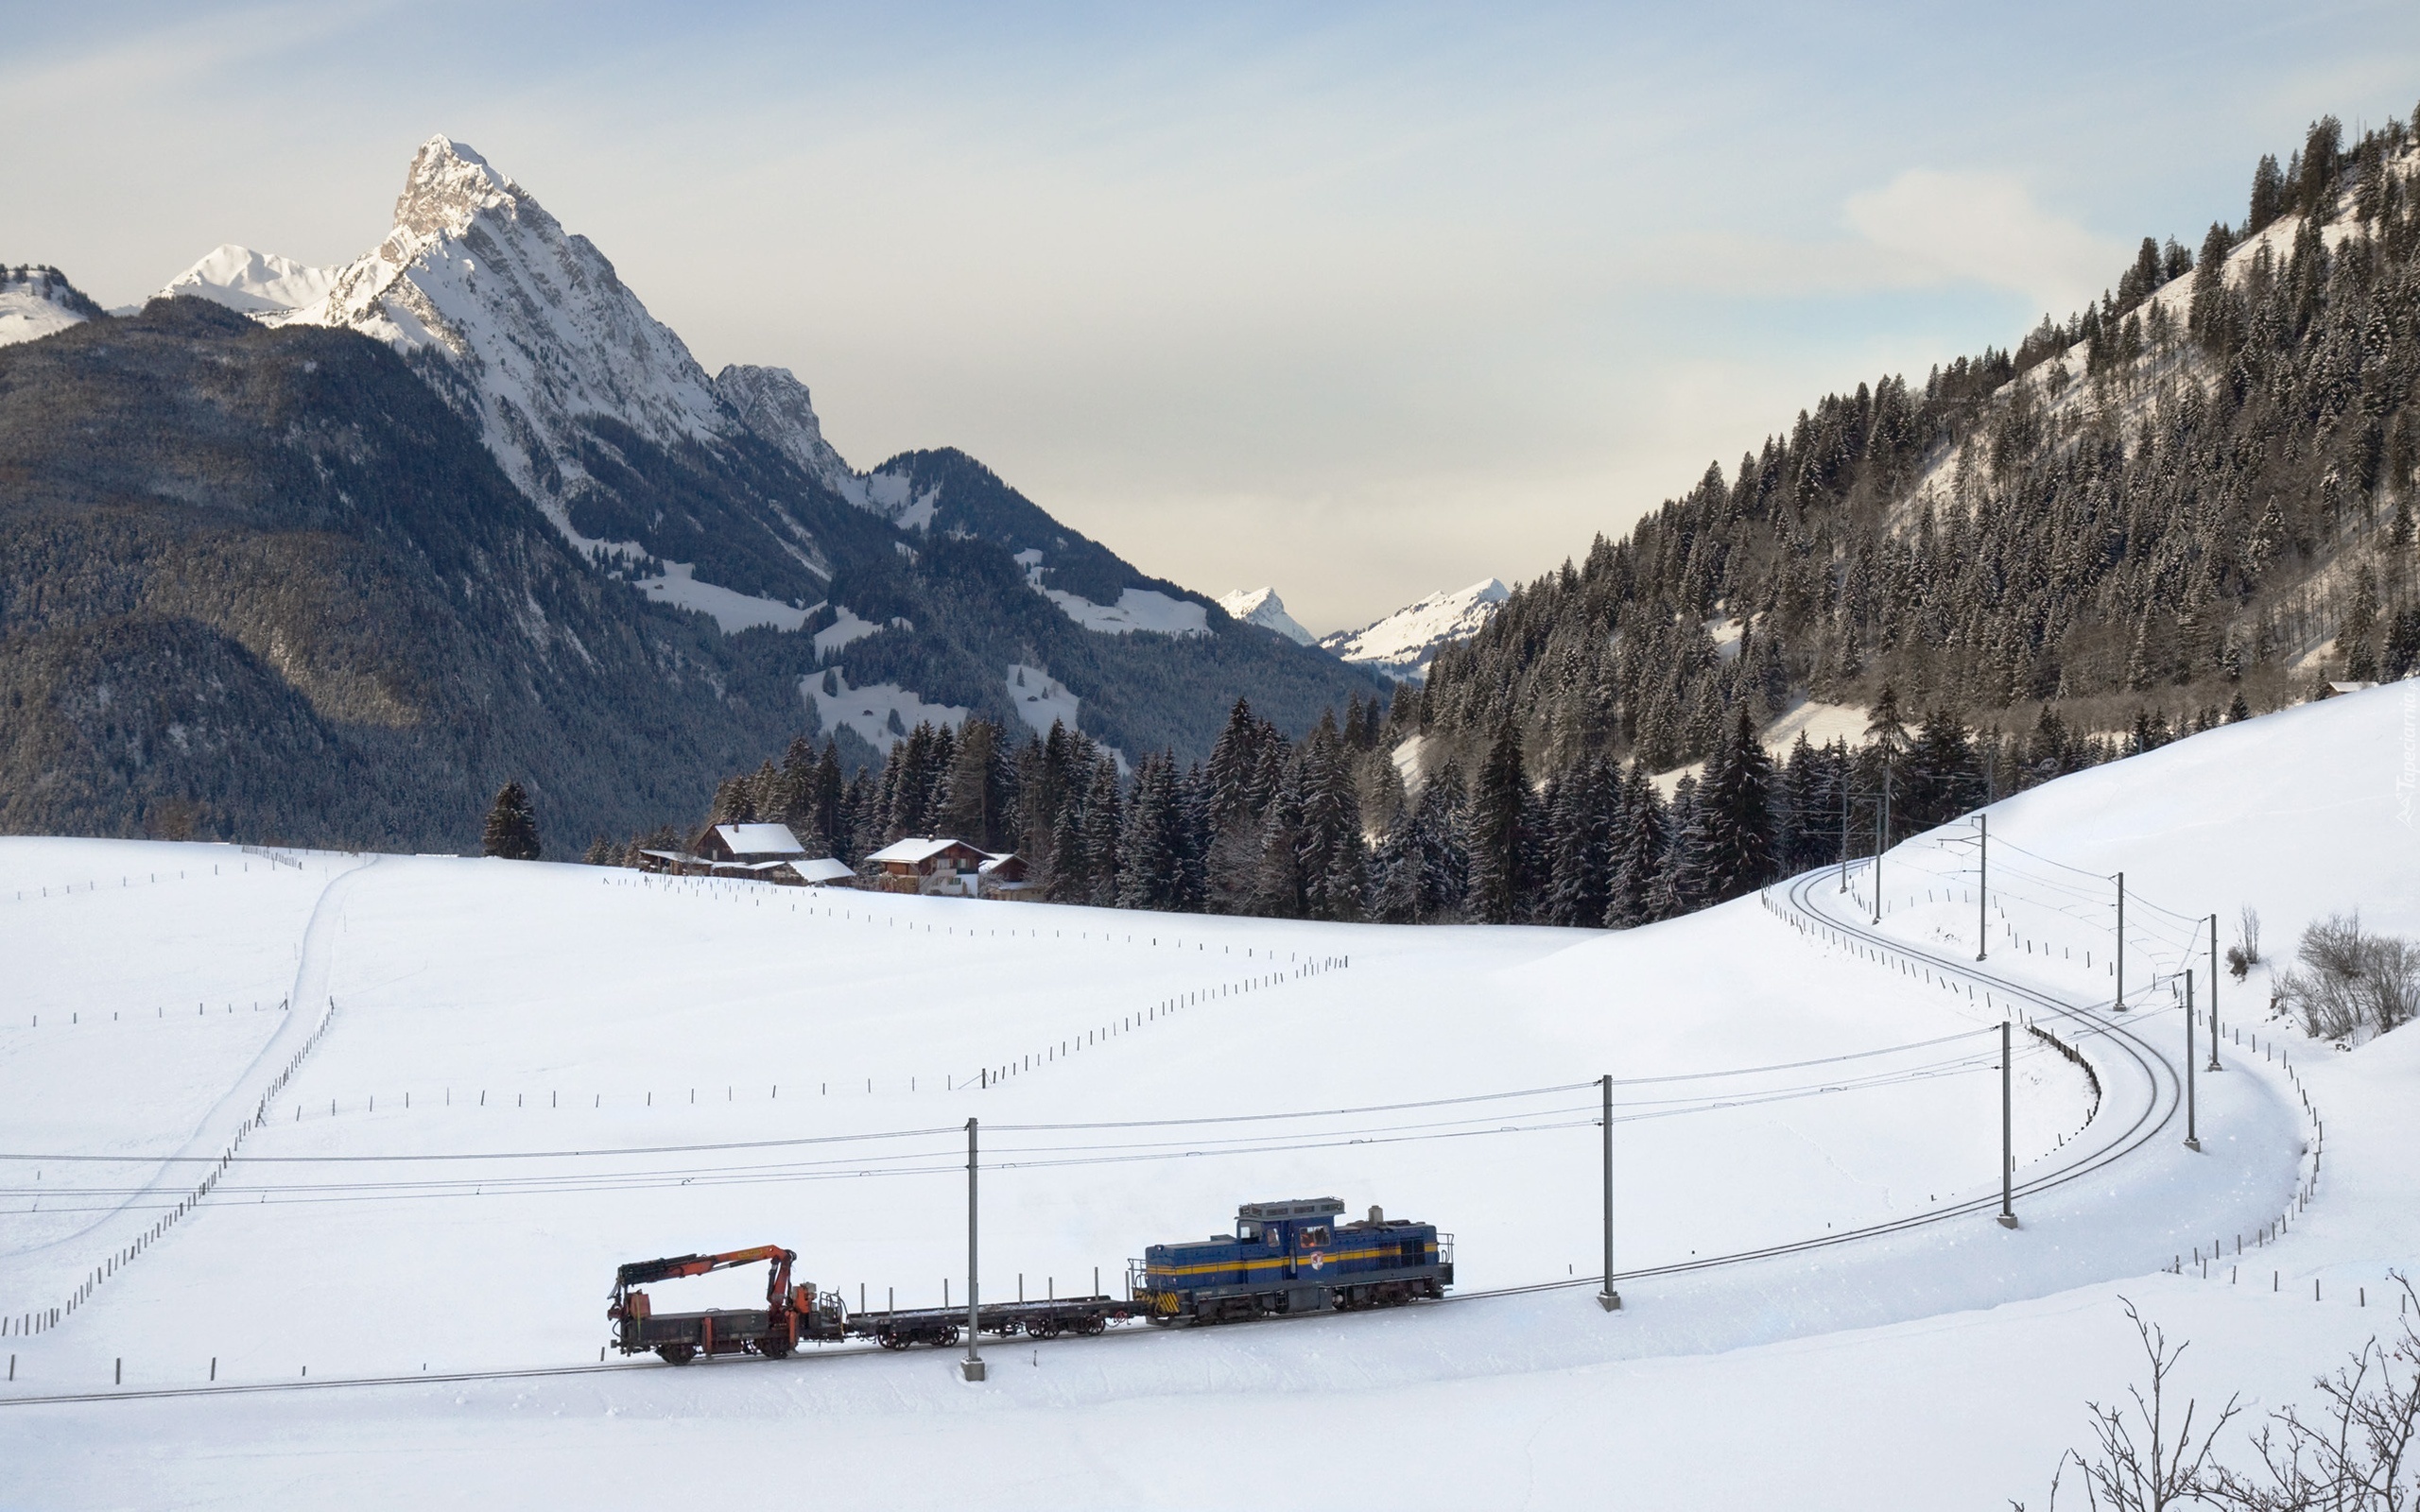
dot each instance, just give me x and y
(532, 1072)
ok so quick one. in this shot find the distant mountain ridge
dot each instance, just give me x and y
(1262, 606)
(36, 301)
(926, 585)
(1404, 644)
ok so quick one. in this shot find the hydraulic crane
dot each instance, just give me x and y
(791, 1313)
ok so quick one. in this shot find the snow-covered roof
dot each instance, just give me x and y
(997, 862)
(759, 839)
(823, 868)
(915, 848)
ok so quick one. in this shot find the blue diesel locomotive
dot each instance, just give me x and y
(1292, 1257)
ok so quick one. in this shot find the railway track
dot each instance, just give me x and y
(2135, 1066)
(2136, 1079)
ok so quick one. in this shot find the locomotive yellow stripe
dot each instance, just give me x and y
(1331, 1257)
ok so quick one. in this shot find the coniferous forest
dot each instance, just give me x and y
(2187, 504)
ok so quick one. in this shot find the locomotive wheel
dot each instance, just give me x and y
(945, 1337)
(891, 1340)
(1092, 1326)
(676, 1354)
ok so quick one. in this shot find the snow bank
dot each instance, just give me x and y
(1041, 700)
(730, 610)
(1137, 609)
(883, 712)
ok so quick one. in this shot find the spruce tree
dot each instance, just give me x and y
(1735, 818)
(1147, 851)
(1334, 859)
(1444, 837)
(1639, 853)
(1580, 881)
(1941, 777)
(1680, 881)
(1278, 890)
(976, 796)
(1069, 875)
(1498, 803)
(1103, 829)
(1394, 872)
(511, 830)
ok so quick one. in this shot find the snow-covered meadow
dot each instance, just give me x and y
(531, 1072)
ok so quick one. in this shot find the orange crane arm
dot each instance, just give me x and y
(640, 1272)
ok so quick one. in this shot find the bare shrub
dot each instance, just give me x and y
(2351, 981)
(2245, 952)
(2358, 1453)
(2136, 1465)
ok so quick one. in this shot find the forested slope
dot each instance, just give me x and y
(2194, 490)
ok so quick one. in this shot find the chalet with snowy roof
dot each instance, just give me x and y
(947, 868)
(760, 852)
(750, 844)
(824, 871)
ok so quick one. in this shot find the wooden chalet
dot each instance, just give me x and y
(945, 867)
(760, 852)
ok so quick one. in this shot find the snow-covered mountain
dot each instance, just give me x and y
(1262, 606)
(35, 301)
(1402, 644)
(524, 326)
(253, 283)
(722, 496)
(774, 405)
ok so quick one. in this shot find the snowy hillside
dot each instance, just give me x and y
(1404, 643)
(507, 1078)
(1262, 606)
(35, 301)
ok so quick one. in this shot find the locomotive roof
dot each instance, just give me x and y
(1299, 1208)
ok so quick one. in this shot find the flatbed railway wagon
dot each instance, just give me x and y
(791, 1315)
(1085, 1316)
(796, 1314)
(1292, 1258)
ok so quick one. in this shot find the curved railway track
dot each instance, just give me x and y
(2132, 1067)
(2135, 1064)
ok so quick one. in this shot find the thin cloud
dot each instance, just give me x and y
(1941, 228)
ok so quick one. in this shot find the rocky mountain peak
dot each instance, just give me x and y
(448, 186)
(1262, 606)
(774, 405)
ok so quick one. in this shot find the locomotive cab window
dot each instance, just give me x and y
(1247, 1231)
(1312, 1236)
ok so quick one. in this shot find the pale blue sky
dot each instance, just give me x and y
(1359, 306)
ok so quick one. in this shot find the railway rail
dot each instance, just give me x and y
(2142, 1096)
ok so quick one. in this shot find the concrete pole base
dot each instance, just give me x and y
(2008, 1220)
(970, 1370)
(1611, 1301)
(2193, 1145)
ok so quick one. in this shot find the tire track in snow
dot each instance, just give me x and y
(311, 974)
